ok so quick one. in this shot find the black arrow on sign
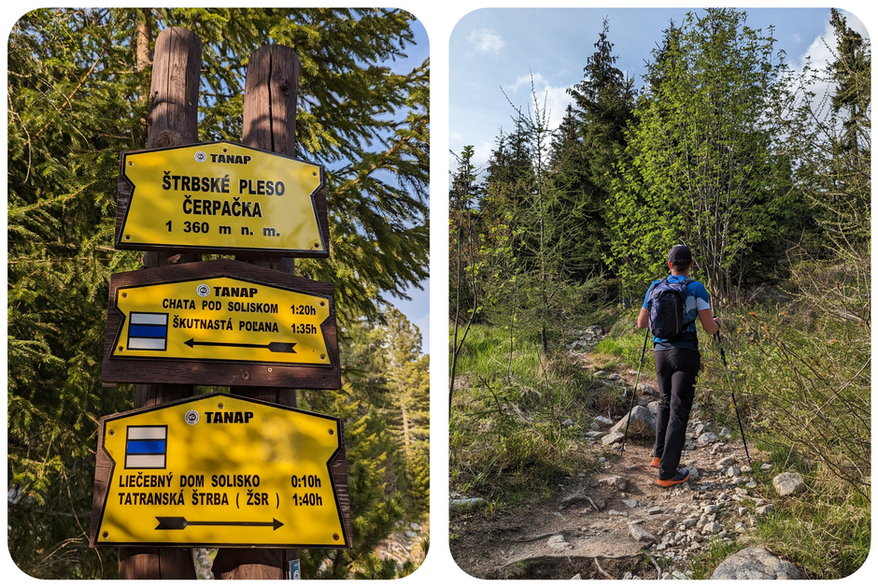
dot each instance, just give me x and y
(178, 523)
(275, 347)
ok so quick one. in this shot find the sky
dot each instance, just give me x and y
(495, 53)
(417, 308)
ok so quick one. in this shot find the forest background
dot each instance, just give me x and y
(723, 147)
(78, 82)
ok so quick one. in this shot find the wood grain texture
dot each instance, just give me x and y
(176, 73)
(172, 121)
(270, 93)
(270, 96)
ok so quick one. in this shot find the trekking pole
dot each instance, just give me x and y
(722, 355)
(634, 393)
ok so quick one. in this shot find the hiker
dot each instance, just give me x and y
(677, 359)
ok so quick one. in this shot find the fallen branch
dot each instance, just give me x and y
(603, 572)
(657, 567)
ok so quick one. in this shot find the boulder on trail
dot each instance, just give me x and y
(788, 484)
(756, 563)
(640, 534)
(706, 438)
(642, 424)
(612, 438)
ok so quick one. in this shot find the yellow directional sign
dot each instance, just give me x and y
(220, 322)
(220, 470)
(221, 197)
(221, 318)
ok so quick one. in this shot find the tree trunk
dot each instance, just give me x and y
(172, 121)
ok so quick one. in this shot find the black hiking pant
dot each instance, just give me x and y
(676, 370)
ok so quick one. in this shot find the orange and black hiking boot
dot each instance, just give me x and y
(681, 477)
(656, 462)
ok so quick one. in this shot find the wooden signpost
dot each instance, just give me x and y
(247, 324)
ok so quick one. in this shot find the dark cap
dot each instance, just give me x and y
(680, 254)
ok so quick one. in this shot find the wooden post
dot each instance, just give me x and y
(270, 92)
(172, 121)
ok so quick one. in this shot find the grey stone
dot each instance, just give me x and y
(756, 563)
(788, 484)
(466, 503)
(765, 510)
(733, 471)
(619, 483)
(706, 438)
(652, 407)
(616, 513)
(765, 467)
(642, 424)
(725, 433)
(632, 503)
(653, 511)
(574, 499)
(713, 528)
(594, 434)
(612, 438)
(725, 462)
(640, 534)
(557, 542)
(602, 421)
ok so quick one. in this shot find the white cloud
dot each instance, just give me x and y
(525, 81)
(821, 52)
(551, 99)
(485, 41)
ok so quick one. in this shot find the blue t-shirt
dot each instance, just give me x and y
(697, 299)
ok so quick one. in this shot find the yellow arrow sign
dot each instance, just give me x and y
(221, 197)
(220, 470)
(221, 318)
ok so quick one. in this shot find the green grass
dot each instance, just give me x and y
(517, 419)
(828, 536)
(704, 562)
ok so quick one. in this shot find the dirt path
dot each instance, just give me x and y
(617, 523)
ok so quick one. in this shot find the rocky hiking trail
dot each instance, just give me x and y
(616, 523)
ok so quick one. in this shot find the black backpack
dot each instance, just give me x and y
(667, 303)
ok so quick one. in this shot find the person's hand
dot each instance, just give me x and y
(718, 321)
